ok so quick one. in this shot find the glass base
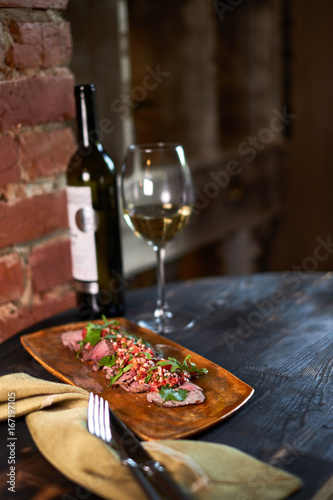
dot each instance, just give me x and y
(170, 322)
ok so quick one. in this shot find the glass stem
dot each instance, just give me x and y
(161, 304)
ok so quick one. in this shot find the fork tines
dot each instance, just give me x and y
(99, 417)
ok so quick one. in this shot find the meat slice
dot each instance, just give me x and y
(71, 339)
(109, 372)
(135, 387)
(101, 349)
(126, 379)
(194, 396)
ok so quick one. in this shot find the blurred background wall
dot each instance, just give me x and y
(247, 82)
(309, 175)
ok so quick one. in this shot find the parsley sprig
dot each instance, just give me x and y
(94, 332)
(109, 361)
(168, 394)
(187, 365)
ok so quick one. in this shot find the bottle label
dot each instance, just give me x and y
(83, 222)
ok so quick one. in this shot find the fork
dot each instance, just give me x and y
(99, 425)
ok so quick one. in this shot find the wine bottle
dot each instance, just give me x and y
(93, 214)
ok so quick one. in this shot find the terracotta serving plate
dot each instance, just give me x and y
(224, 392)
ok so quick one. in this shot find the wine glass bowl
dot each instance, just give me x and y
(157, 194)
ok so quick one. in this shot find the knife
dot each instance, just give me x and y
(134, 455)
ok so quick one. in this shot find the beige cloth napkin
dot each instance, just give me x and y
(56, 417)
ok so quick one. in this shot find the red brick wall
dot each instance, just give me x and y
(36, 142)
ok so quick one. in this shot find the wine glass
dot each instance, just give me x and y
(157, 194)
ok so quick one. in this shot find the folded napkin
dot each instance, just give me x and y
(56, 415)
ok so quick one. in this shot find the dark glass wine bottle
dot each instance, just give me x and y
(93, 214)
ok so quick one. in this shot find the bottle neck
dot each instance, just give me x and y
(86, 116)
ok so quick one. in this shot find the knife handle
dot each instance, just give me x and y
(142, 479)
(158, 473)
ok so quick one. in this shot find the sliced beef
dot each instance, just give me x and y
(189, 386)
(125, 379)
(101, 349)
(109, 372)
(127, 382)
(194, 396)
(135, 387)
(71, 339)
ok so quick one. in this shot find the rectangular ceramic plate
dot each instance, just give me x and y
(224, 392)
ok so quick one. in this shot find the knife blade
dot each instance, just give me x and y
(130, 448)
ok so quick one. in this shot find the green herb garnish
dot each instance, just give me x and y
(169, 394)
(92, 337)
(191, 367)
(186, 365)
(109, 361)
(120, 373)
(147, 379)
(94, 332)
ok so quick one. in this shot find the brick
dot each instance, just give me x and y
(11, 278)
(50, 265)
(14, 319)
(29, 33)
(31, 218)
(9, 166)
(46, 153)
(27, 48)
(39, 100)
(2, 47)
(40, 45)
(35, 4)
(57, 44)
(54, 302)
(24, 56)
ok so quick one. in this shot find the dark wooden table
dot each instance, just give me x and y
(273, 331)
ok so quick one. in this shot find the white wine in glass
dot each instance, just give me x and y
(157, 194)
